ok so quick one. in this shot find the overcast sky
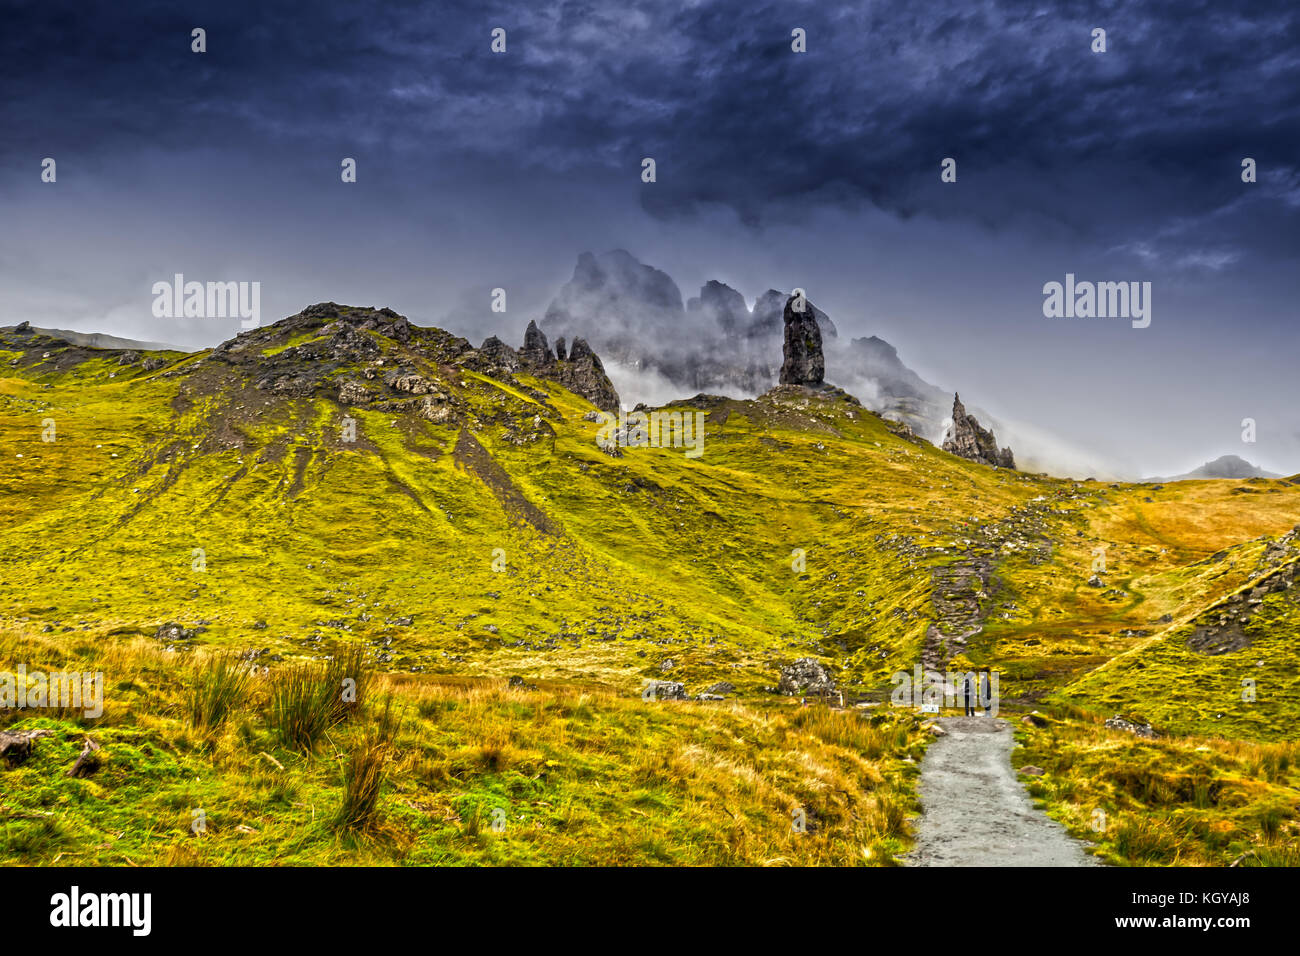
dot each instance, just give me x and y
(774, 169)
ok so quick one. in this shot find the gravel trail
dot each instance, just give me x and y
(974, 810)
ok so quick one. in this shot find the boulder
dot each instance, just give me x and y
(171, 632)
(665, 690)
(805, 676)
(17, 745)
(1139, 730)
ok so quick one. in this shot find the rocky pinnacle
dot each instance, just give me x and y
(967, 439)
(804, 363)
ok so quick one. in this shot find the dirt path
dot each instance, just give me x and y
(975, 811)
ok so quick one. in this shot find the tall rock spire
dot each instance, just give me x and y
(804, 363)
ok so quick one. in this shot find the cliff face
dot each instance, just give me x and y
(967, 439)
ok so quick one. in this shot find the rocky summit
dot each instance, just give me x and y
(968, 439)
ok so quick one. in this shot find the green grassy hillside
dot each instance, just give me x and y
(471, 529)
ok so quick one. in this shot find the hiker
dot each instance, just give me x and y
(968, 687)
(986, 695)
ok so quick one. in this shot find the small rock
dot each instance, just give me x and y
(664, 690)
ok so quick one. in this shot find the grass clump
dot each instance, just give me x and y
(308, 698)
(221, 685)
(364, 773)
(302, 705)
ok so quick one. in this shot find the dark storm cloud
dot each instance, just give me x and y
(821, 170)
(1146, 138)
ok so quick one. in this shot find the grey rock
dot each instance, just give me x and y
(805, 676)
(499, 355)
(172, 633)
(536, 351)
(583, 374)
(665, 690)
(967, 439)
(804, 362)
(1128, 726)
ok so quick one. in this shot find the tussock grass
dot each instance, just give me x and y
(303, 704)
(221, 684)
(578, 774)
(1198, 801)
(349, 674)
(364, 772)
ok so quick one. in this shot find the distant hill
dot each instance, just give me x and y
(1225, 466)
(98, 340)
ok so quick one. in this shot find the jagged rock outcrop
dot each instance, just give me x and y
(536, 351)
(583, 374)
(499, 355)
(577, 368)
(804, 362)
(632, 314)
(967, 439)
(629, 309)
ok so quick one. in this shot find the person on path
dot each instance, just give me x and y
(986, 694)
(968, 687)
